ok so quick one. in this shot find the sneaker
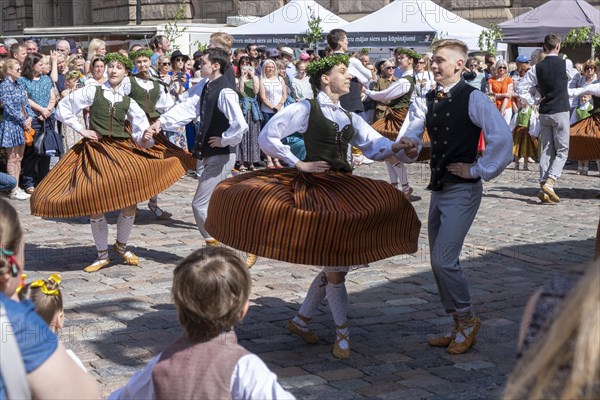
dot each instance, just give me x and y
(357, 159)
(18, 194)
(530, 160)
(367, 161)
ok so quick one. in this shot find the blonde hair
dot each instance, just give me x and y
(46, 305)
(264, 74)
(9, 63)
(11, 234)
(452, 44)
(222, 40)
(93, 46)
(565, 363)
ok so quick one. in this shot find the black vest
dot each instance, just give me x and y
(596, 109)
(212, 121)
(454, 138)
(553, 84)
(351, 101)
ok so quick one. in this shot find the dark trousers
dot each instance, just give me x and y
(35, 167)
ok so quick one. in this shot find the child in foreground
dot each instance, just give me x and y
(210, 291)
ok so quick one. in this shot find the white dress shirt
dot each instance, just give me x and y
(484, 114)
(593, 89)
(251, 379)
(228, 103)
(68, 108)
(165, 100)
(529, 82)
(294, 118)
(395, 90)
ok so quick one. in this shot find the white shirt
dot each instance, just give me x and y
(68, 108)
(395, 90)
(303, 88)
(529, 81)
(484, 114)
(593, 89)
(165, 100)
(251, 379)
(359, 71)
(574, 117)
(188, 110)
(294, 118)
(273, 92)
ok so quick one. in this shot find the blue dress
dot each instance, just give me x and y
(14, 99)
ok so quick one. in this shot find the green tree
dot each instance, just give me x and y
(488, 38)
(579, 36)
(172, 29)
(314, 33)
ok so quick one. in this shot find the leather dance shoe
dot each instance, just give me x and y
(251, 260)
(307, 335)
(212, 243)
(470, 339)
(128, 257)
(97, 265)
(338, 352)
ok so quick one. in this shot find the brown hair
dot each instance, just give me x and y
(11, 234)
(452, 44)
(211, 287)
(222, 40)
(551, 41)
(46, 305)
(590, 63)
(334, 37)
(565, 362)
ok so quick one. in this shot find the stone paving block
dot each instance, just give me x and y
(302, 381)
(340, 374)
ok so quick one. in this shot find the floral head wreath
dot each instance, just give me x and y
(141, 53)
(118, 57)
(75, 74)
(410, 53)
(40, 283)
(326, 63)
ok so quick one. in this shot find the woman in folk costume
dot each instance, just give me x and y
(584, 141)
(317, 213)
(524, 145)
(149, 93)
(107, 170)
(397, 97)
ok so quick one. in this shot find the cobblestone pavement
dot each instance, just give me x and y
(119, 318)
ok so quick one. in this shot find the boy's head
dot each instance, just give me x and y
(585, 98)
(211, 287)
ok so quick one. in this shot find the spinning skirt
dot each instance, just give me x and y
(329, 219)
(390, 125)
(523, 144)
(96, 177)
(584, 142)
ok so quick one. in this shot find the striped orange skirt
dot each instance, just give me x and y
(96, 177)
(523, 144)
(584, 142)
(331, 219)
(390, 125)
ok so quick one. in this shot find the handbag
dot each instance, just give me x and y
(38, 141)
(29, 132)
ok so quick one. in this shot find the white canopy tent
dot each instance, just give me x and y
(411, 23)
(282, 26)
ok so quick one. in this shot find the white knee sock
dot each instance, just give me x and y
(392, 173)
(337, 297)
(314, 297)
(401, 172)
(100, 235)
(124, 226)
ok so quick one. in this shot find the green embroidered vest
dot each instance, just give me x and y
(583, 113)
(146, 99)
(523, 117)
(404, 101)
(108, 119)
(324, 142)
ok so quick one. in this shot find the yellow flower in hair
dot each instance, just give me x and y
(40, 283)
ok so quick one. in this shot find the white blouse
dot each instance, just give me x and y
(165, 100)
(76, 101)
(294, 118)
(273, 92)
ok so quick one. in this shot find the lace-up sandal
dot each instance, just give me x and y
(469, 341)
(212, 243)
(339, 352)
(128, 257)
(101, 261)
(303, 332)
(160, 214)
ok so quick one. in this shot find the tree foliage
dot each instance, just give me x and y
(172, 29)
(488, 38)
(314, 33)
(579, 36)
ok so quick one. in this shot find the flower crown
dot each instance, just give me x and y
(118, 57)
(141, 53)
(326, 63)
(410, 53)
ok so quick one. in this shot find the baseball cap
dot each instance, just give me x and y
(304, 56)
(3, 51)
(522, 59)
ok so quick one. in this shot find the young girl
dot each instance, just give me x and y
(317, 213)
(46, 296)
(110, 169)
(582, 111)
(584, 140)
(524, 146)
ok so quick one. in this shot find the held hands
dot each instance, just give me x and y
(147, 135)
(410, 147)
(461, 169)
(155, 127)
(90, 134)
(313, 167)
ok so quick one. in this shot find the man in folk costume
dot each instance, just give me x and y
(454, 117)
(223, 125)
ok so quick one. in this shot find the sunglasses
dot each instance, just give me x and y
(179, 60)
(501, 68)
(389, 68)
(165, 64)
(589, 68)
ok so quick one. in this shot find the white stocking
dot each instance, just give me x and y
(337, 297)
(124, 226)
(100, 235)
(314, 297)
(392, 173)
